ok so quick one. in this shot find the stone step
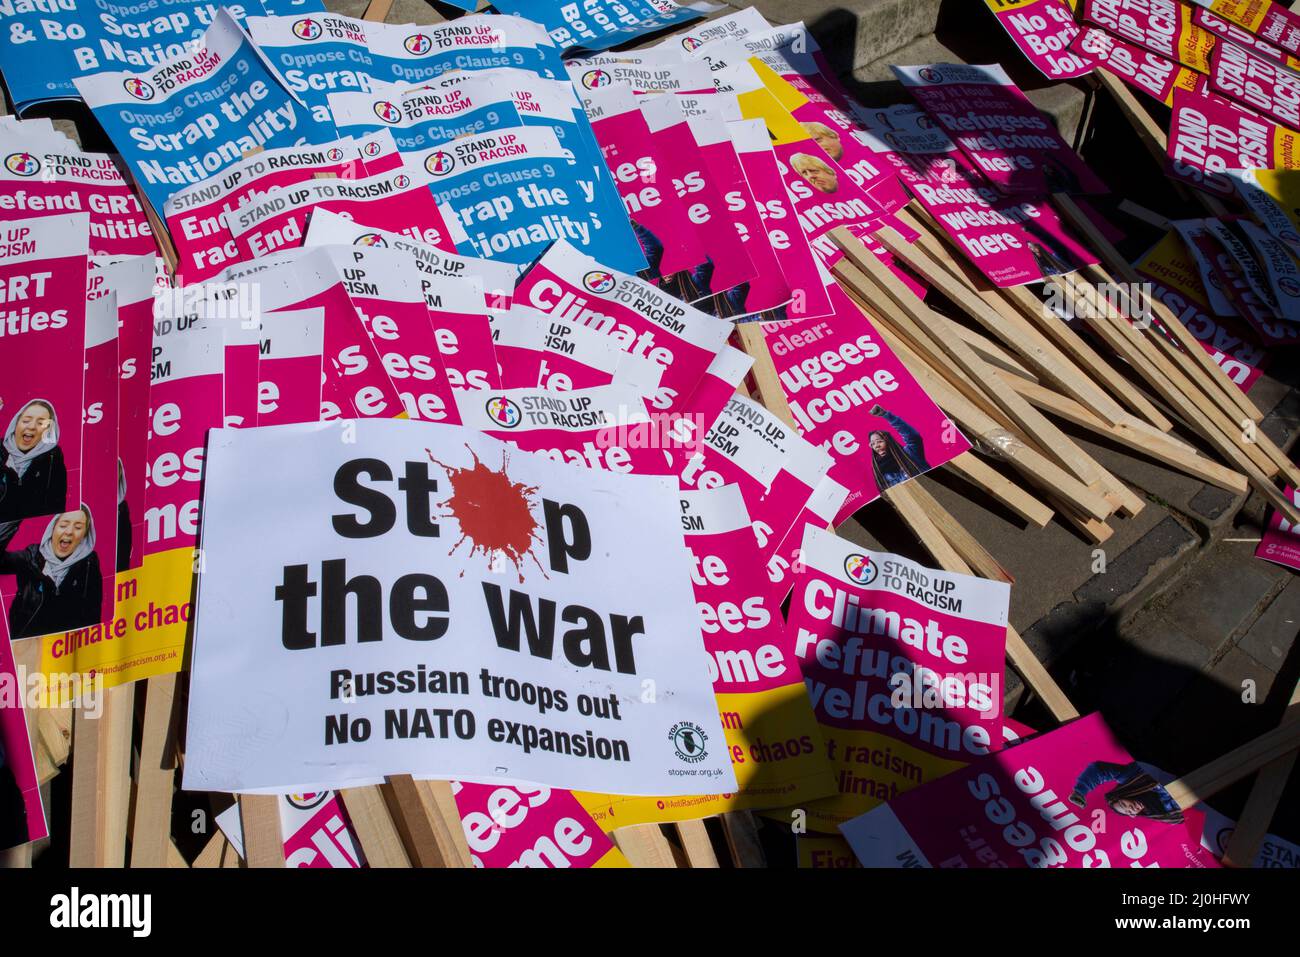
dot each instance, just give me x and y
(859, 31)
(873, 82)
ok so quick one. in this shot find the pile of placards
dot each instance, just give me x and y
(452, 410)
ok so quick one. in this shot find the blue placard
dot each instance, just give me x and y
(198, 113)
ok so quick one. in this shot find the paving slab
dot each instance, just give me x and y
(1270, 637)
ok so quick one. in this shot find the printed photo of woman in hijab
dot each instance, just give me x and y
(33, 476)
(60, 584)
(893, 461)
(1136, 793)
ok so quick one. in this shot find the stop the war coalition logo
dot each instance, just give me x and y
(689, 741)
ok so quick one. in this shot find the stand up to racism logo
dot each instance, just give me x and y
(307, 29)
(418, 44)
(599, 281)
(138, 88)
(504, 412)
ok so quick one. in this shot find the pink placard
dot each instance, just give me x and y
(801, 274)
(1260, 84)
(1007, 138)
(196, 215)
(43, 281)
(1072, 797)
(659, 215)
(643, 320)
(398, 201)
(23, 817)
(682, 161)
(532, 826)
(1043, 30)
(384, 287)
(1145, 71)
(185, 400)
(852, 396)
(52, 182)
(289, 367)
(598, 428)
(1280, 542)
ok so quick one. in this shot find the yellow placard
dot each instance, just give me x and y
(870, 768)
(1170, 264)
(776, 751)
(1247, 13)
(781, 126)
(825, 852)
(1195, 44)
(145, 638)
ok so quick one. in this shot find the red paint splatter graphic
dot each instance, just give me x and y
(495, 514)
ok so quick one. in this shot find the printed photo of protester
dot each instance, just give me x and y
(60, 585)
(894, 461)
(33, 476)
(1136, 793)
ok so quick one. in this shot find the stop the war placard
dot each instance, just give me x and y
(433, 603)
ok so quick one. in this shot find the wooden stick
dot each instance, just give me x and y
(1168, 453)
(914, 515)
(374, 828)
(996, 438)
(1193, 407)
(974, 554)
(1018, 653)
(1224, 390)
(644, 845)
(697, 844)
(1205, 782)
(1265, 795)
(1033, 423)
(1011, 328)
(768, 383)
(455, 848)
(1088, 358)
(425, 832)
(155, 775)
(175, 859)
(1189, 396)
(1149, 132)
(984, 477)
(992, 353)
(213, 851)
(101, 780)
(377, 11)
(259, 818)
(742, 839)
(1073, 350)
